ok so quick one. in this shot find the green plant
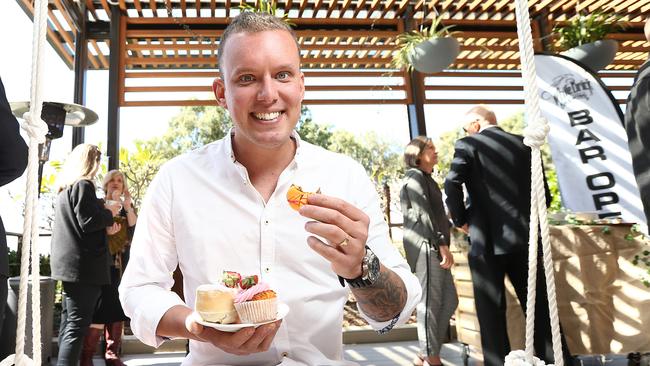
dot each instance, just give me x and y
(266, 6)
(14, 264)
(583, 29)
(407, 41)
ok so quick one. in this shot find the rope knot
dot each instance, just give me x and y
(535, 133)
(518, 358)
(36, 128)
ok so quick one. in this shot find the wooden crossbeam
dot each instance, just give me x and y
(138, 7)
(66, 16)
(90, 7)
(210, 102)
(102, 58)
(331, 7)
(319, 88)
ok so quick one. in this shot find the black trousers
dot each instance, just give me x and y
(488, 275)
(79, 301)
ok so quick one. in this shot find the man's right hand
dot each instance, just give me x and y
(243, 342)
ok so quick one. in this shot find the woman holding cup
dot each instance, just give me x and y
(109, 317)
(80, 257)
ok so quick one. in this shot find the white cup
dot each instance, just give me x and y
(114, 203)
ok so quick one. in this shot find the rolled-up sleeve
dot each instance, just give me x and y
(389, 256)
(145, 288)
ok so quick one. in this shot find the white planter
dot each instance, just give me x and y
(596, 55)
(434, 54)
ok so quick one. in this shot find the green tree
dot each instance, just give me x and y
(314, 133)
(193, 127)
(139, 167)
(380, 158)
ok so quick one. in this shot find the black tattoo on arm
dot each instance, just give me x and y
(385, 299)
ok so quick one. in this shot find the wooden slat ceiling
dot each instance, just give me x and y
(334, 34)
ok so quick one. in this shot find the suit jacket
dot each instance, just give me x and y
(13, 161)
(79, 240)
(494, 165)
(425, 220)
(637, 126)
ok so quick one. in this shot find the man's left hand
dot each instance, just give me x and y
(344, 228)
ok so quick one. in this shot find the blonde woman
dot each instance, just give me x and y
(80, 257)
(109, 317)
(426, 243)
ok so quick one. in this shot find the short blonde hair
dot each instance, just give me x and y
(413, 151)
(252, 22)
(82, 163)
(109, 175)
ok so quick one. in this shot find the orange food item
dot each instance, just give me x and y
(264, 295)
(297, 197)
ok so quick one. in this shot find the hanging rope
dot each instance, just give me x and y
(535, 135)
(36, 130)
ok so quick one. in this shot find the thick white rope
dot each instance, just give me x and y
(535, 136)
(36, 130)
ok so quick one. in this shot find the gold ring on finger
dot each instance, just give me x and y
(344, 242)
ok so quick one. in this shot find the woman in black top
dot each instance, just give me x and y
(426, 243)
(80, 258)
(109, 317)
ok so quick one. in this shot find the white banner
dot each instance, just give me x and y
(588, 141)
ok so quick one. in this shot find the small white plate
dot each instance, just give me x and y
(283, 310)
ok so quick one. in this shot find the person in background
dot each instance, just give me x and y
(426, 243)
(494, 166)
(109, 317)
(13, 161)
(637, 126)
(223, 207)
(80, 257)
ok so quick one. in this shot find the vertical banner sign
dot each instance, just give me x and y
(588, 141)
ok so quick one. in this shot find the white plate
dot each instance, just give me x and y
(283, 310)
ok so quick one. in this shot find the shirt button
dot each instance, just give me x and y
(285, 354)
(266, 222)
(267, 269)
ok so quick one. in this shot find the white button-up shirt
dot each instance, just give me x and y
(202, 213)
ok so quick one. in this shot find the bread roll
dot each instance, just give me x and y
(215, 304)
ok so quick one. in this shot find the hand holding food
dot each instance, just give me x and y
(297, 197)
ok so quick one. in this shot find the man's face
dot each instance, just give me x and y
(262, 87)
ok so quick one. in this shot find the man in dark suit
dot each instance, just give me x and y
(494, 166)
(637, 126)
(13, 160)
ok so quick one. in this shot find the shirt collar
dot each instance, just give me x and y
(486, 127)
(230, 154)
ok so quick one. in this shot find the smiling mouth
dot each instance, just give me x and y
(267, 116)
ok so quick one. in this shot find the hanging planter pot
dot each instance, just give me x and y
(428, 50)
(595, 55)
(434, 54)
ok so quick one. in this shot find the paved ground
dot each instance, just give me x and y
(371, 354)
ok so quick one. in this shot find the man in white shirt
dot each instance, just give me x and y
(223, 207)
